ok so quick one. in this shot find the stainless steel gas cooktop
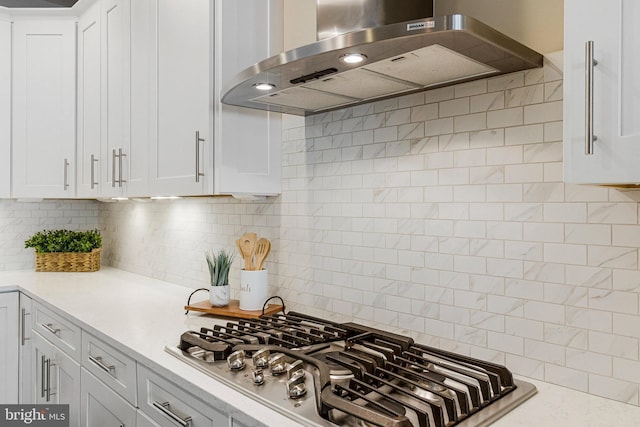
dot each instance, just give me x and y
(322, 373)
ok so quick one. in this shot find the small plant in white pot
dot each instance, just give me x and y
(219, 266)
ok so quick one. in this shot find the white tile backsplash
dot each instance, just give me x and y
(21, 219)
(440, 214)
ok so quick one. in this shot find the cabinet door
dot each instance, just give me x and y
(90, 159)
(5, 107)
(101, 407)
(247, 142)
(182, 77)
(57, 377)
(116, 74)
(9, 350)
(44, 81)
(103, 99)
(612, 27)
(142, 57)
(25, 372)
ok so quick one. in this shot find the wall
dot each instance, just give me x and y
(537, 24)
(19, 220)
(442, 215)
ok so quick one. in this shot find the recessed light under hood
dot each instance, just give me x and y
(398, 58)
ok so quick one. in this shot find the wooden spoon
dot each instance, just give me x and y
(248, 243)
(262, 251)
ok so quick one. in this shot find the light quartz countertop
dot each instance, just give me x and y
(140, 316)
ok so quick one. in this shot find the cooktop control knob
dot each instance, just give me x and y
(261, 358)
(236, 360)
(258, 376)
(278, 364)
(296, 368)
(295, 386)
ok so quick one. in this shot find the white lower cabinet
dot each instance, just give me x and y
(102, 407)
(169, 406)
(9, 350)
(61, 363)
(25, 373)
(57, 377)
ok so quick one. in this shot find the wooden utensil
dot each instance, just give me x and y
(248, 243)
(262, 251)
(239, 248)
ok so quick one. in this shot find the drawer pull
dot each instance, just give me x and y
(97, 360)
(49, 327)
(164, 407)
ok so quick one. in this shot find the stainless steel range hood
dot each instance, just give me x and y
(404, 50)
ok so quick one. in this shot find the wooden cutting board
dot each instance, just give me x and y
(231, 310)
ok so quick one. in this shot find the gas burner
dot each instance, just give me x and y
(350, 375)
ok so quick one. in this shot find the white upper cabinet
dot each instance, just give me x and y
(181, 108)
(105, 160)
(150, 76)
(248, 142)
(89, 105)
(43, 107)
(5, 106)
(199, 146)
(612, 27)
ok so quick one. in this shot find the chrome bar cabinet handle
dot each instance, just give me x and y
(66, 174)
(23, 336)
(120, 156)
(93, 161)
(164, 407)
(590, 62)
(48, 364)
(198, 141)
(43, 361)
(49, 327)
(97, 360)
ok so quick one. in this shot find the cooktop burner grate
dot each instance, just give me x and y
(349, 374)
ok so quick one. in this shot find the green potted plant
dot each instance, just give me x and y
(66, 250)
(219, 265)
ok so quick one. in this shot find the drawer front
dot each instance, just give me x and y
(169, 406)
(111, 366)
(57, 329)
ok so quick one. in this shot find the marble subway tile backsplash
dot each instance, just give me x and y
(440, 214)
(20, 219)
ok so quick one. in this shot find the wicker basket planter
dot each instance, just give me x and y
(68, 261)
